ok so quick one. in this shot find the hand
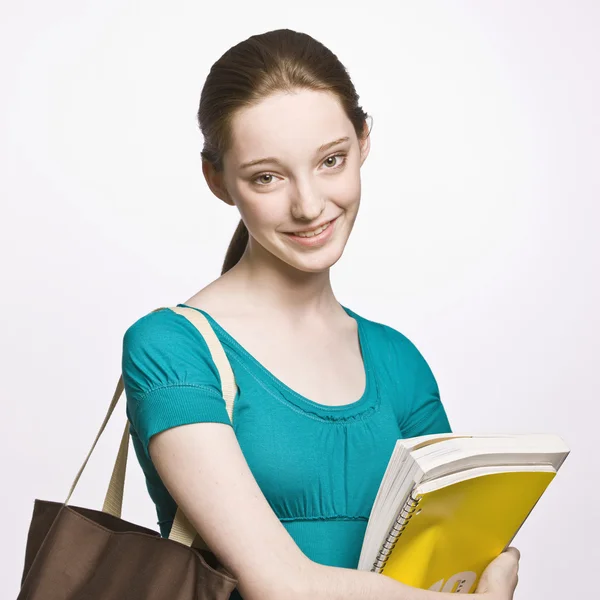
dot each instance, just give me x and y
(500, 578)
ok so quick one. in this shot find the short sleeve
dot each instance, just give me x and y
(169, 376)
(422, 411)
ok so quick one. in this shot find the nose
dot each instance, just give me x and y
(307, 203)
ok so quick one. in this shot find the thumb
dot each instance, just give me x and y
(502, 573)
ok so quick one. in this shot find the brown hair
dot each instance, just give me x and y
(275, 61)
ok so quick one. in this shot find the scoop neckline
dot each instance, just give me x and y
(367, 401)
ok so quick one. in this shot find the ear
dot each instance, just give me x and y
(215, 181)
(365, 144)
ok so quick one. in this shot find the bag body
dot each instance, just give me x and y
(76, 553)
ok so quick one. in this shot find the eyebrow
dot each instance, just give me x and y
(272, 159)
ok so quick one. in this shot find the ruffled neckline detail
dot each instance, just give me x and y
(356, 410)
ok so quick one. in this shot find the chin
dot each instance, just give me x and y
(315, 262)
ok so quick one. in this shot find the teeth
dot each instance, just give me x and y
(314, 232)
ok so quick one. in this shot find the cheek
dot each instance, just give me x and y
(262, 212)
(258, 209)
(347, 193)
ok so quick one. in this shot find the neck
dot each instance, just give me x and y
(270, 286)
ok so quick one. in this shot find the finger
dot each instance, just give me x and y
(514, 551)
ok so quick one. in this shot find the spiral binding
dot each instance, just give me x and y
(403, 518)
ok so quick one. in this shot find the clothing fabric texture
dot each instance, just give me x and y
(318, 466)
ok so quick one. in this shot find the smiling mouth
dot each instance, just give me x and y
(312, 232)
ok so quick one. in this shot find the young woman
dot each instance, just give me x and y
(283, 496)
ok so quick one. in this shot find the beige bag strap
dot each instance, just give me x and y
(182, 530)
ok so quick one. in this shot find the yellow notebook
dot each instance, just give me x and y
(448, 505)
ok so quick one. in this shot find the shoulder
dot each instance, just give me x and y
(415, 392)
(169, 376)
(388, 342)
(163, 347)
(163, 325)
(167, 330)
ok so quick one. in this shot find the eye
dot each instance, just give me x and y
(338, 155)
(343, 155)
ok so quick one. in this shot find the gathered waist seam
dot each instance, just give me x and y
(335, 518)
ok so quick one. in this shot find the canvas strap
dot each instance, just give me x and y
(182, 530)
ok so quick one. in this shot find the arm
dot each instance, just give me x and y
(204, 470)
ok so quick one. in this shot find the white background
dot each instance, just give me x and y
(478, 234)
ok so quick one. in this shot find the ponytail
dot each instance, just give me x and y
(236, 248)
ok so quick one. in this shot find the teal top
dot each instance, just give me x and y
(318, 466)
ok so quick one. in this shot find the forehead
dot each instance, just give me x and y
(287, 124)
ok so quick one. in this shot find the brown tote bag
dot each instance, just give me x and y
(76, 553)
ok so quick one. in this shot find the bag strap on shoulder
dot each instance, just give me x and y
(182, 530)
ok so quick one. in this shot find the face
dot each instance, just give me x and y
(299, 178)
